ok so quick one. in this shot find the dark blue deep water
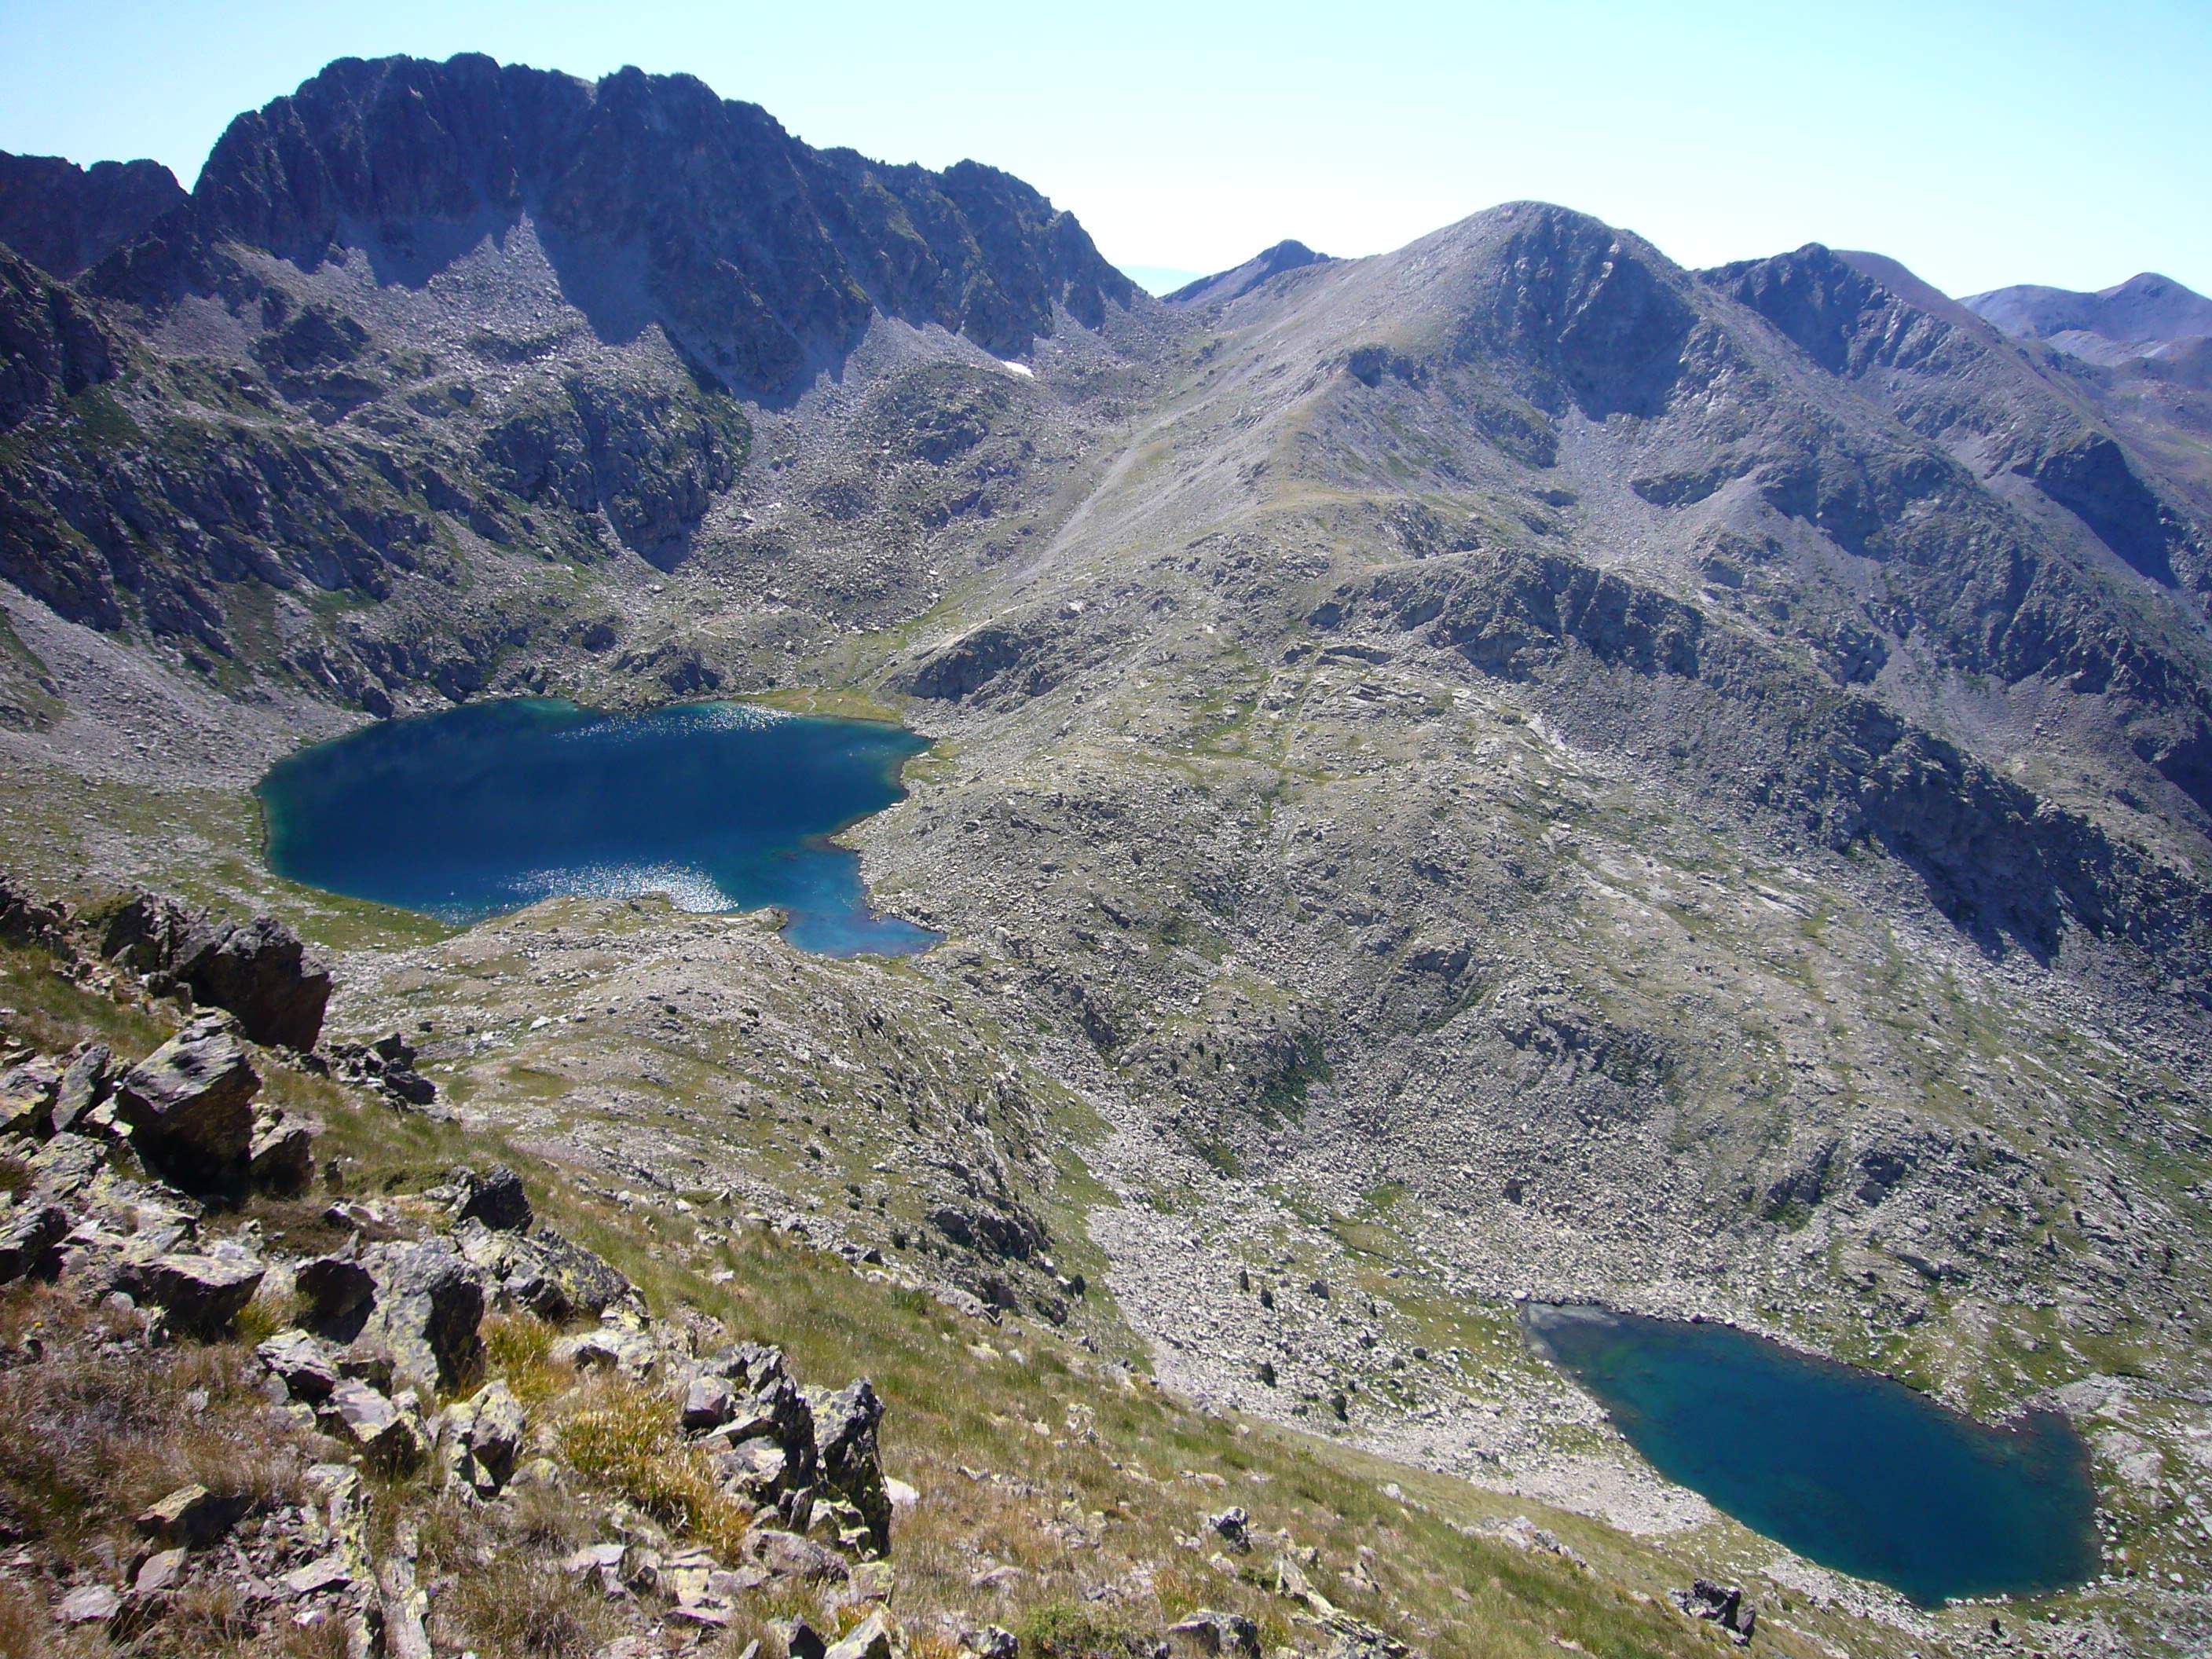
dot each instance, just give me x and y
(1847, 1469)
(494, 805)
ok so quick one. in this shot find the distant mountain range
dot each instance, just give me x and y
(1242, 279)
(2139, 317)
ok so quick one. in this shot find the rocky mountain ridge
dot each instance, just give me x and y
(65, 219)
(658, 200)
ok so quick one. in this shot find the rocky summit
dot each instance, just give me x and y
(1510, 769)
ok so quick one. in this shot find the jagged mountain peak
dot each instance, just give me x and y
(754, 251)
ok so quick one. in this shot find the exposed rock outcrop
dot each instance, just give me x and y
(258, 970)
(190, 1105)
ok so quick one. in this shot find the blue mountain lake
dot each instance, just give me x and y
(488, 807)
(1849, 1469)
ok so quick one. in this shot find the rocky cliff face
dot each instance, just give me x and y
(422, 326)
(654, 197)
(51, 346)
(65, 219)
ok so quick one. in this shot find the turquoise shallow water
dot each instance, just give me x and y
(491, 807)
(1849, 1469)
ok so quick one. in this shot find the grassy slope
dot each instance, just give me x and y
(1029, 1451)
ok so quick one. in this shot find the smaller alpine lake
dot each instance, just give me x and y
(1850, 1469)
(485, 808)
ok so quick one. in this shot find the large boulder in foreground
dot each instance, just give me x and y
(189, 1106)
(201, 1294)
(258, 970)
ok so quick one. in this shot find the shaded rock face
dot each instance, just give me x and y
(1006, 1232)
(496, 1198)
(51, 346)
(258, 970)
(1598, 312)
(651, 462)
(66, 218)
(1950, 379)
(752, 248)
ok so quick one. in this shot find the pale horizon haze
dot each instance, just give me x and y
(1983, 145)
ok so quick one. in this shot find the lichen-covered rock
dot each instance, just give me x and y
(385, 1432)
(27, 1098)
(624, 1350)
(872, 1639)
(710, 1402)
(542, 1272)
(258, 971)
(65, 1167)
(848, 1460)
(427, 1304)
(86, 1083)
(480, 1436)
(787, 1555)
(306, 1365)
(28, 1236)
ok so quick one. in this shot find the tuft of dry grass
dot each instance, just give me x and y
(517, 1349)
(1078, 1630)
(626, 1438)
(28, 1629)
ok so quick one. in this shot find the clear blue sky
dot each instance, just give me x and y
(2049, 141)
